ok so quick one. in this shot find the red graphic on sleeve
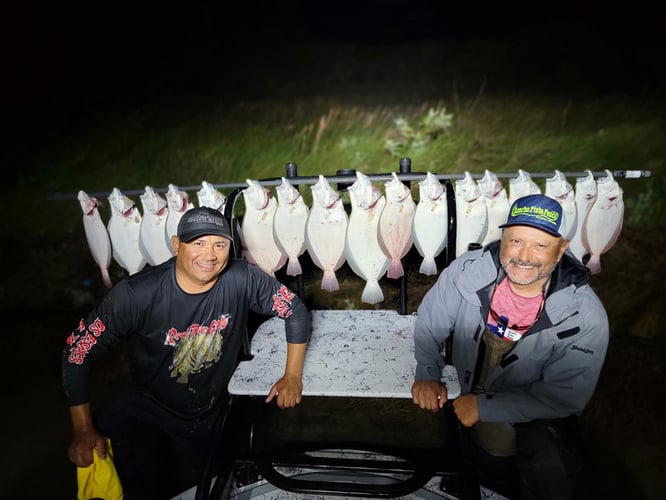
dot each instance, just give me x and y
(282, 302)
(84, 341)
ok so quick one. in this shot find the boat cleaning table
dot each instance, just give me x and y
(351, 353)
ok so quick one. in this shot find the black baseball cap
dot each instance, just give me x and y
(202, 221)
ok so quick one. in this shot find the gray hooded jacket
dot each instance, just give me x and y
(550, 373)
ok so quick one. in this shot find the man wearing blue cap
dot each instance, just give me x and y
(529, 341)
(184, 323)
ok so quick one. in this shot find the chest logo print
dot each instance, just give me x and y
(196, 349)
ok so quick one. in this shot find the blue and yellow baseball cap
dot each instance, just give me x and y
(538, 211)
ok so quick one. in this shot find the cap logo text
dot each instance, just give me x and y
(204, 218)
(549, 216)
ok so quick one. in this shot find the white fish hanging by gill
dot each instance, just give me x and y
(471, 214)
(289, 222)
(325, 232)
(431, 223)
(152, 234)
(261, 248)
(178, 203)
(522, 185)
(559, 189)
(362, 250)
(395, 225)
(210, 197)
(603, 223)
(97, 235)
(497, 205)
(124, 227)
(585, 195)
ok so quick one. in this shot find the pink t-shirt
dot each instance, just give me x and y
(510, 314)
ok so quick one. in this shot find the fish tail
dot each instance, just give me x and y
(330, 282)
(395, 269)
(294, 267)
(372, 293)
(106, 278)
(428, 266)
(594, 264)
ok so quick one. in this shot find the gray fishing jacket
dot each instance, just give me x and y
(550, 373)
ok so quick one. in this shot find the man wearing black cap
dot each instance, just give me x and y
(529, 341)
(184, 323)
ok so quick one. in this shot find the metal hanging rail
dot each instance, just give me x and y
(350, 178)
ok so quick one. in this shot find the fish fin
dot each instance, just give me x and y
(248, 257)
(613, 239)
(119, 259)
(145, 251)
(294, 267)
(106, 278)
(395, 269)
(594, 264)
(580, 254)
(428, 266)
(577, 249)
(330, 282)
(315, 260)
(281, 262)
(372, 292)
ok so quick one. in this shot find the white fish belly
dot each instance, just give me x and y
(257, 228)
(430, 231)
(602, 229)
(173, 218)
(325, 235)
(289, 233)
(124, 234)
(585, 194)
(497, 211)
(395, 234)
(569, 218)
(98, 239)
(152, 239)
(576, 244)
(471, 223)
(99, 243)
(363, 252)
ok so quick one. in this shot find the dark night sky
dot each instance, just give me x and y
(63, 57)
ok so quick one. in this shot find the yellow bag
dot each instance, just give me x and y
(99, 479)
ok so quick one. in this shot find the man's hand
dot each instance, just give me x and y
(80, 450)
(288, 391)
(429, 394)
(86, 437)
(290, 387)
(467, 409)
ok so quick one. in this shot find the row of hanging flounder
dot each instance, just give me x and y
(373, 238)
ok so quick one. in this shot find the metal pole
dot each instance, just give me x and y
(346, 177)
